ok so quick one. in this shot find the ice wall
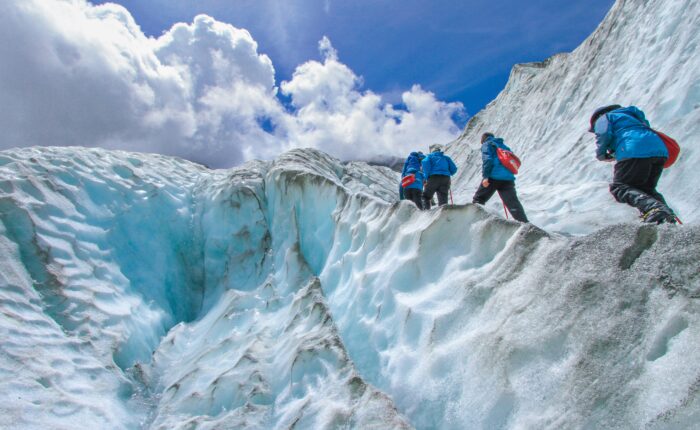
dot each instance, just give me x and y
(145, 292)
(644, 53)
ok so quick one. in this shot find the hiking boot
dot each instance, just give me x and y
(652, 213)
(658, 216)
(670, 219)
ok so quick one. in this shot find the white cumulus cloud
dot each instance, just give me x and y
(78, 74)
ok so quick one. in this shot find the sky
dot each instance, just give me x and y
(221, 82)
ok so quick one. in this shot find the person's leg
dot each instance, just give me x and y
(633, 172)
(483, 194)
(506, 190)
(443, 189)
(414, 195)
(630, 175)
(655, 170)
(418, 198)
(428, 191)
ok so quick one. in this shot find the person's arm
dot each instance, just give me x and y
(487, 160)
(426, 167)
(405, 166)
(603, 139)
(451, 166)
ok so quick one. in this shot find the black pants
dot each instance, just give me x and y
(414, 195)
(634, 183)
(506, 190)
(439, 184)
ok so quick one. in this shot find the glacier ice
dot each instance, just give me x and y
(140, 291)
(176, 293)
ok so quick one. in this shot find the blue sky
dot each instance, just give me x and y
(222, 82)
(460, 50)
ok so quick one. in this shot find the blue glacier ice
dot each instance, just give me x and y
(158, 293)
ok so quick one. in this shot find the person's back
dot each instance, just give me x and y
(437, 163)
(412, 163)
(437, 169)
(625, 132)
(492, 166)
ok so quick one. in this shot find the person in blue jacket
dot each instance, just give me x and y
(437, 169)
(412, 165)
(623, 134)
(495, 177)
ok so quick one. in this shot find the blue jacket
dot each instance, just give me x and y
(625, 133)
(437, 163)
(492, 168)
(418, 184)
(413, 165)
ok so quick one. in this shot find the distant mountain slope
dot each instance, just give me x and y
(645, 53)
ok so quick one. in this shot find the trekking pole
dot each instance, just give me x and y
(679, 221)
(452, 201)
(505, 210)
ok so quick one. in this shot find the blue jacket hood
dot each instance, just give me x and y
(634, 112)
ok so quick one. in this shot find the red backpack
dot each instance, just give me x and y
(408, 180)
(672, 146)
(509, 160)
